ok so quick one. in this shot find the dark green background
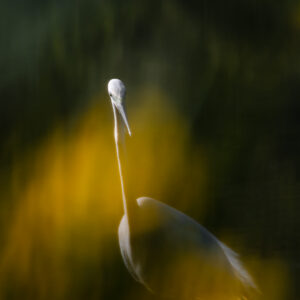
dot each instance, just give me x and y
(231, 67)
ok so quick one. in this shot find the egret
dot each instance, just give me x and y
(174, 257)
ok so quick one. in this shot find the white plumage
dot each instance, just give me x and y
(167, 251)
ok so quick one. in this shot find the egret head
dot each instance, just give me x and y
(117, 92)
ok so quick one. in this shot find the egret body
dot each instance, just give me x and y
(174, 256)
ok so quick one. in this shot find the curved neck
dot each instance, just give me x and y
(120, 151)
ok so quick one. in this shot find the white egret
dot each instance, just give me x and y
(174, 256)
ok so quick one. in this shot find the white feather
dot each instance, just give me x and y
(238, 267)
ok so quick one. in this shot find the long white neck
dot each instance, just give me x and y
(119, 141)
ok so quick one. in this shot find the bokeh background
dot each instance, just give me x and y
(213, 101)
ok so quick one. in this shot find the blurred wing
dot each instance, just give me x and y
(237, 266)
(201, 236)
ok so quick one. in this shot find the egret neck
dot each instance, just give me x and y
(120, 126)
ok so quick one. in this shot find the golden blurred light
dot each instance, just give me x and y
(67, 201)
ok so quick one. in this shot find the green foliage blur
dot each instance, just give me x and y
(212, 96)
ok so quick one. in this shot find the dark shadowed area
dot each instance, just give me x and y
(213, 101)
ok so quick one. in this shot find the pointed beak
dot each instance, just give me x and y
(121, 111)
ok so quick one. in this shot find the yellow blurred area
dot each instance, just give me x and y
(67, 201)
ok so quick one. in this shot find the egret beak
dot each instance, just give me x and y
(121, 111)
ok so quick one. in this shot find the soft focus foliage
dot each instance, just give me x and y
(60, 235)
(67, 202)
(213, 90)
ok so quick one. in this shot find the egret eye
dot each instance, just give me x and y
(110, 95)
